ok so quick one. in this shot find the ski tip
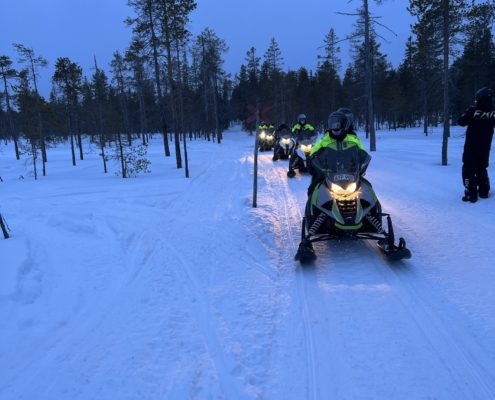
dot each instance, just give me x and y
(400, 254)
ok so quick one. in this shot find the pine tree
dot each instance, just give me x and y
(445, 18)
(476, 66)
(27, 103)
(146, 28)
(332, 50)
(33, 63)
(68, 80)
(6, 74)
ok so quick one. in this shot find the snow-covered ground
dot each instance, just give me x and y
(165, 288)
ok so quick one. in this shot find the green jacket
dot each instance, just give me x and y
(349, 141)
(298, 127)
(266, 126)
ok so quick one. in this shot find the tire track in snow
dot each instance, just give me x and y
(443, 338)
(276, 180)
(449, 347)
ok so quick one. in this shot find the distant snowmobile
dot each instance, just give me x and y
(344, 206)
(266, 140)
(284, 147)
(300, 159)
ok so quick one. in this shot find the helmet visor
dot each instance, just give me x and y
(336, 122)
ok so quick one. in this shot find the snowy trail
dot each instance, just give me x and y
(407, 322)
(173, 289)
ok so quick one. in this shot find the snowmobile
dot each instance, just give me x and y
(300, 159)
(284, 147)
(266, 140)
(343, 205)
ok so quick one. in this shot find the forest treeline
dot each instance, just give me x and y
(172, 83)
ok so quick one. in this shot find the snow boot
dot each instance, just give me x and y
(291, 173)
(470, 191)
(305, 253)
(484, 186)
(470, 196)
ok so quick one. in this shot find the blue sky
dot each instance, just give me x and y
(80, 28)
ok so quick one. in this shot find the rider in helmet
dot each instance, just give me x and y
(302, 125)
(480, 121)
(265, 126)
(302, 130)
(350, 116)
(339, 137)
(282, 130)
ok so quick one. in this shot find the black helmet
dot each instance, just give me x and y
(484, 94)
(350, 116)
(338, 123)
(301, 118)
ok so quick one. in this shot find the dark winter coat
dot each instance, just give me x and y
(480, 121)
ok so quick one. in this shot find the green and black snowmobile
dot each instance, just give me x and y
(343, 205)
(266, 139)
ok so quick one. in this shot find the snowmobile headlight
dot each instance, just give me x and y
(352, 187)
(339, 190)
(269, 137)
(306, 148)
(286, 141)
(262, 135)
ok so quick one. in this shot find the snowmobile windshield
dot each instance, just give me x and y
(338, 166)
(307, 141)
(285, 134)
(306, 135)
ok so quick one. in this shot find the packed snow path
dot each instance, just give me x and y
(166, 288)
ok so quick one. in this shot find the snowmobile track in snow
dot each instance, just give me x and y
(436, 328)
(276, 179)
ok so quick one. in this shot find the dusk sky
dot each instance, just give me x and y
(80, 28)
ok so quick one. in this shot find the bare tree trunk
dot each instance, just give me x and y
(369, 76)
(103, 156)
(42, 143)
(40, 120)
(122, 160)
(205, 92)
(181, 109)
(425, 110)
(79, 143)
(16, 146)
(161, 106)
(73, 151)
(143, 123)
(34, 150)
(255, 183)
(11, 121)
(186, 158)
(171, 83)
(215, 108)
(446, 97)
(3, 225)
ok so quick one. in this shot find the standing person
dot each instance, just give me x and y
(301, 130)
(480, 120)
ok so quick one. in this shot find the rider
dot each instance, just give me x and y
(480, 120)
(265, 126)
(301, 129)
(302, 125)
(339, 137)
(282, 130)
